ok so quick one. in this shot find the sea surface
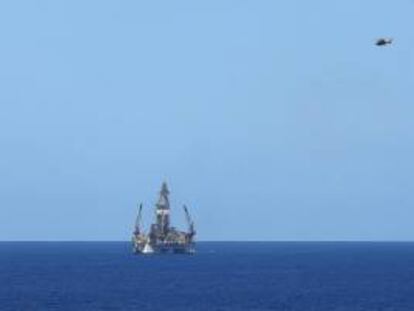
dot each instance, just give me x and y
(220, 276)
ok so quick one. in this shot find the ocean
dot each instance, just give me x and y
(226, 276)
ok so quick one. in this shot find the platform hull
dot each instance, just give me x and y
(164, 249)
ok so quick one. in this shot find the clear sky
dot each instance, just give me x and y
(272, 120)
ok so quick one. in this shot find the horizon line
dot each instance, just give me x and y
(215, 241)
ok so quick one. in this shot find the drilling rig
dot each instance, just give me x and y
(162, 237)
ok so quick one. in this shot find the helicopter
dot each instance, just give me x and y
(383, 41)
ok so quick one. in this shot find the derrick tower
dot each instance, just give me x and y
(162, 211)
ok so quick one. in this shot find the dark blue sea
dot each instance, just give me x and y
(221, 276)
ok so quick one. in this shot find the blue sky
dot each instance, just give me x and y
(272, 120)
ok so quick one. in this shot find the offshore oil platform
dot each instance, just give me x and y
(163, 238)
